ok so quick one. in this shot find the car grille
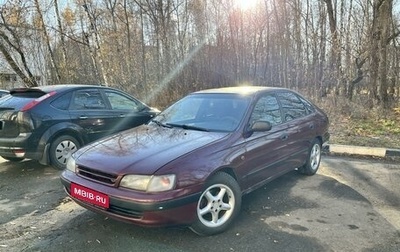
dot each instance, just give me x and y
(98, 176)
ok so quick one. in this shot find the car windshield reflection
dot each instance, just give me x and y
(205, 112)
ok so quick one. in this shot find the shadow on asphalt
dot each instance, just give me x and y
(264, 224)
(24, 189)
(93, 232)
(383, 191)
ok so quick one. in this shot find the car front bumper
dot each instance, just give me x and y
(153, 212)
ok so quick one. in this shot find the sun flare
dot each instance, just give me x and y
(246, 4)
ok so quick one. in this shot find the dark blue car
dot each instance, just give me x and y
(3, 93)
(49, 123)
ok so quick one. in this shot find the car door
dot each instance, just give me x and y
(89, 110)
(265, 152)
(128, 112)
(300, 126)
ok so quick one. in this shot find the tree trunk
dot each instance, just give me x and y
(382, 13)
(335, 49)
(47, 42)
(385, 18)
(62, 39)
(96, 50)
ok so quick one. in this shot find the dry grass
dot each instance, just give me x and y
(353, 123)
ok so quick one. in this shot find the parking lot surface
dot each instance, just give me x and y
(349, 205)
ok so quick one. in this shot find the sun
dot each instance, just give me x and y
(246, 4)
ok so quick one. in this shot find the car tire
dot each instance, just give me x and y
(61, 149)
(313, 159)
(218, 205)
(13, 159)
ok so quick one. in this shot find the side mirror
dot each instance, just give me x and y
(260, 126)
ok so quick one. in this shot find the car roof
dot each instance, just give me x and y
(241, 90)
(60, 88)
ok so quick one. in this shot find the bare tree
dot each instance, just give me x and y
(346, 46)
(12, 27)
(41, 24)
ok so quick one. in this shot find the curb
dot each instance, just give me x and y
(361, 150)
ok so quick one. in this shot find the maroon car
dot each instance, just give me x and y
(193, 162)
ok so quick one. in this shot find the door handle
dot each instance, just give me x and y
(311, 126)
(83, 117)
(284, 137)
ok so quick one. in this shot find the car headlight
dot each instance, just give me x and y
(71, 165)
(149, 183)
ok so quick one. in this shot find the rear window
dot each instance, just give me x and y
(62, 102)
(17, 100)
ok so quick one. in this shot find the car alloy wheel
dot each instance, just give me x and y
(315, 156)
(313, 159)
(61, 149)
(218, 205)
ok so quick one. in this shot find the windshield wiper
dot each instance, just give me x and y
(188, 127)
(161, 124)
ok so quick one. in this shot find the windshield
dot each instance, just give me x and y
(205, 112)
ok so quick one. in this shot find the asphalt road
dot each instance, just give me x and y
(349, 205)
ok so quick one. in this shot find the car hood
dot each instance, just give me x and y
(143, 150)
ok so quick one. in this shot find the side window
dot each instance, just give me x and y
(267, 109)
(87, 99)
(310, 108)
(292, 106)
(122, 102)
(62, 102)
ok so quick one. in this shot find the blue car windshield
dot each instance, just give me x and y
(206, 112)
